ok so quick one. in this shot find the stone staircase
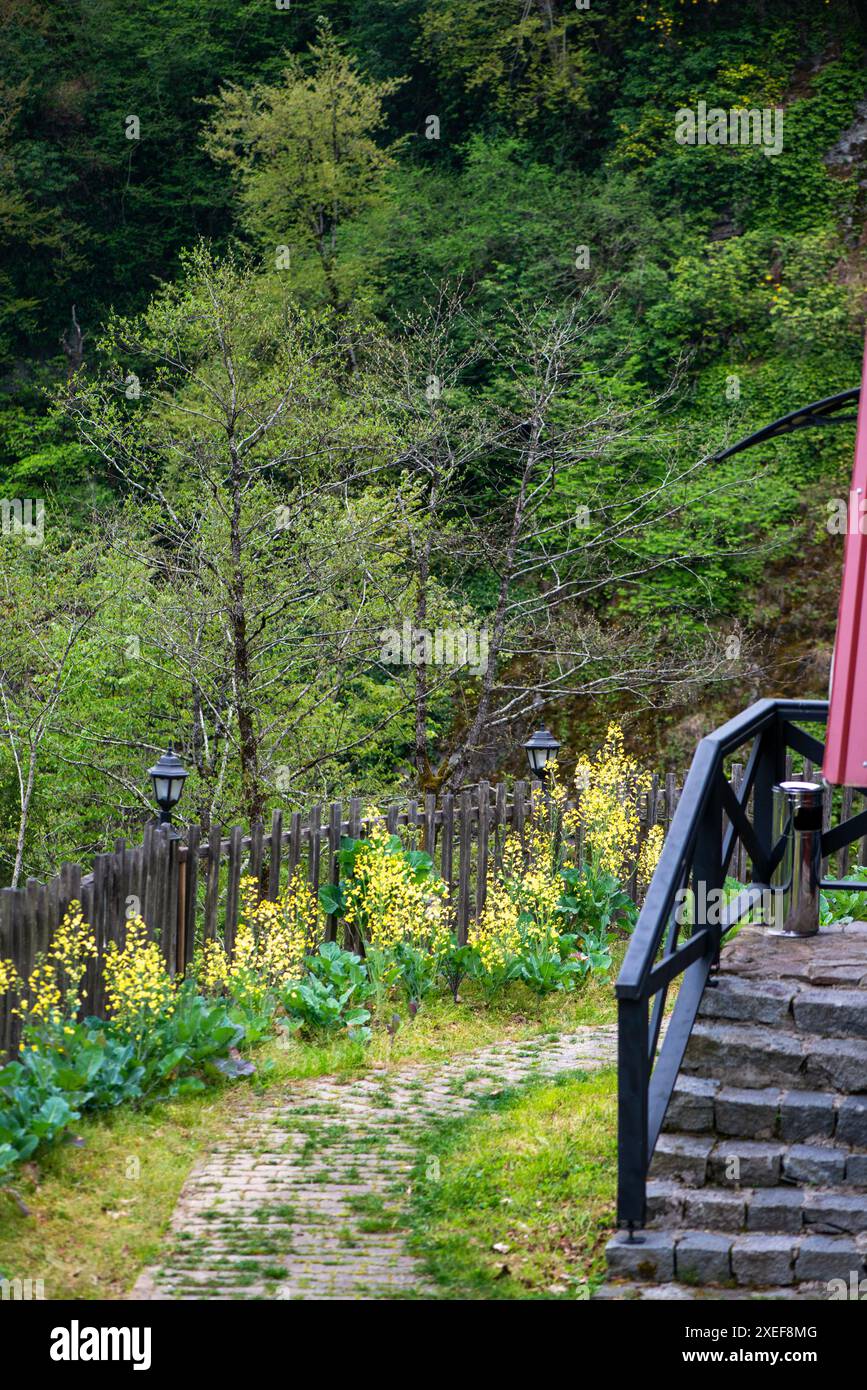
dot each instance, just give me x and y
(758, 1186)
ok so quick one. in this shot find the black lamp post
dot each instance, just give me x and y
(539, 747)
(168, 777)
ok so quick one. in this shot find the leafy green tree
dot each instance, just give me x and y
(220, 412)
(304, 153)
(74, 718)
(529, 59)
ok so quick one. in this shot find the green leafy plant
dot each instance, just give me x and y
(56, 1077)
(419, 970)
(342, 969)
(456, 964)
(384, 973)
(32, 1112)
(546, 966)
(594, 902)
(844, 906)
(330, 997)
(594, 955)
(493, 971)
(199, 1035)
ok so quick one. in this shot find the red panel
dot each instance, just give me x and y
(846, 740)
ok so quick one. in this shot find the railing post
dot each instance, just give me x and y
(770, 770)
(633, 1068)
(708, 873)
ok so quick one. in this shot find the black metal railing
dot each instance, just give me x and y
(710, 821)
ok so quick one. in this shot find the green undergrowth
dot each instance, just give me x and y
(517, 1201)
(97, 1208)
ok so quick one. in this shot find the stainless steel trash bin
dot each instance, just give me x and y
(796, 879)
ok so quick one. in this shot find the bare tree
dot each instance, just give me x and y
(49, 616)
(72, 342)
(499, 487)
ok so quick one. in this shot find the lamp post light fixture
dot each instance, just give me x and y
(168, 777)
(539, 747)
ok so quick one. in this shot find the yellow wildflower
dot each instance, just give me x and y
(611, 784)
(54, 988)
(270, 944)
(138, 988)
(389, 904)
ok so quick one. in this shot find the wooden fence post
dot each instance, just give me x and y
(482, 850)
(189, 887)
(314, 848)
(447, 842)
(275, 855)
(295, 840)
(335, 819)
(430, 824)
(501, 815)
(464, 842)
(233, 887)
(212, 886)
(257, 833)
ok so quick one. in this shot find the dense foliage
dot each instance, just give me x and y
(433, 283)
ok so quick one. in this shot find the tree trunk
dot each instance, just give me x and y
(458, 764)
(251, 785)
(26, 798)
(422, 765)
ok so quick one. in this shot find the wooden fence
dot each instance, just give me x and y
(188, 888)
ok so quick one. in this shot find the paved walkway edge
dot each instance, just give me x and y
(305, 1199)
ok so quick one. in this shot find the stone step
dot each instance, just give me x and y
(819, 1012)
(782, 1210)
(735, 1000)
(632, 1291)
(704, 1257)
(831, 1013)
(759, 1056)
(698, 1160)
(703, 1106)
(758, 1186)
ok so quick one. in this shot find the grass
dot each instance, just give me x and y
(517, 1201)
(97, 1212)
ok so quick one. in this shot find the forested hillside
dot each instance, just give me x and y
(330, 326)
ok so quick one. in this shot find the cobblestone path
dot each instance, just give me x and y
(304, 1199)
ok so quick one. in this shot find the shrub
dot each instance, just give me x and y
(396, 901)
(522, 933)
(64, 1065)
(54, 993)
(330, 997)
(32, 1112)
(271, 945)
(161, 1037)
(610, 784)
(195, 1035)
(547, 919)
(340, 968)
(594, 902)
(387, 892)
(140, 993)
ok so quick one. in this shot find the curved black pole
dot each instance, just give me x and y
(818, 413)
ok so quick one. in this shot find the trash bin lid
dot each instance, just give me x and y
(801, 793)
